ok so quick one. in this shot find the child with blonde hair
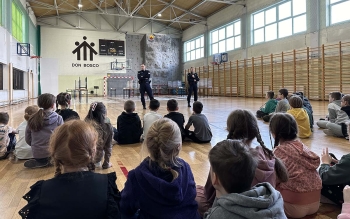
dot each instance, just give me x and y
(39, 129)
(302, 192)
(23, 150)
(97, 116)
(162, 186)
(300, 115)
(75, 191)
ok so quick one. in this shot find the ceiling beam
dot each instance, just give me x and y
(109, 23)
(117, 3)
(56, 8)
(138, 7)
(230, 2)
(99, 8)
(84, 18)
(186, 11)
(67, 22)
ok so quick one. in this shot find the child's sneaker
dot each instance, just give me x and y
(32, 163)
(98, 165)
(5, 155)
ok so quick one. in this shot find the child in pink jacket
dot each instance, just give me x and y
(345, 211)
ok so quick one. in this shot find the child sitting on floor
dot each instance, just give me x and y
(232, 171)
(7, 136)
(23, 150)
(162, 186)
(300, 116)
(302, 192)
(150, 117)
(282, 105)
(172, 107)
(269, 106)
(333, 108)
(129, 127)
(75, 191)
(97, 116)
(202, 132)
(63, 100)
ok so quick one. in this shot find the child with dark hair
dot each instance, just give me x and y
(129, 127)
(162, 186)
(242, 125)
(335, 175)
(23, 150)
(172, 107)
(282, 105)
(269, 106)
(338, 128)
(75, 191)
(7, 136)
(202, 132)
(333, 109)
(63, 100)
(233, 168)
(300, 116)
(302, 192)
(150, 117)
(39, 129)
(97, 116)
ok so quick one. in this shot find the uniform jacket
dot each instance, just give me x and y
(143, 76)
(191, 79)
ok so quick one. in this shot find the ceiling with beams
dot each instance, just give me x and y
(172, 14)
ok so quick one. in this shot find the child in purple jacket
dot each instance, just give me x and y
(162, 186)
(39, 129)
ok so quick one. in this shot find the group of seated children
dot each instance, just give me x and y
(338, 116)
(129, 128)
(247, 182)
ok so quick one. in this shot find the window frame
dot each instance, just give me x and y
(292, 17)
(194, 49)
(17, 22)
(329, 10)
(233, 36)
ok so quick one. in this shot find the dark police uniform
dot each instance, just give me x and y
(192, 86)
(144, 76)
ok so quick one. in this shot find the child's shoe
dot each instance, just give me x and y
(5, 155)
(98, 165)
(32, 163)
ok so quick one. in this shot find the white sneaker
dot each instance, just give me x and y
(98, 165)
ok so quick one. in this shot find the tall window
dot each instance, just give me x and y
(17, 23)
(194, 49)
(281, 20)
(339, 11)
(18, 82)
(226, 38)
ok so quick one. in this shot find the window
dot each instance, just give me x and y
(17, 23)
(339, 11)
(194, 49)
(18, 83)
(281, 20)
(226, 38)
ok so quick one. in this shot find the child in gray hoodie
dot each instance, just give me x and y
(39, 129)
(232, 172)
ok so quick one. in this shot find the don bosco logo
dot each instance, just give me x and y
(84, 46)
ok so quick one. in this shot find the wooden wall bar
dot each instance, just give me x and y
(314, 71)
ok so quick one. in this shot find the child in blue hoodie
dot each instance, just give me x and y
(162, 186)
(232, 171)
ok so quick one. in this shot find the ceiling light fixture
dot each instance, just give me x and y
(159, 15)
(79, 4)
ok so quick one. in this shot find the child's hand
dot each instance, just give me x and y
(346, 194)
(325, 157)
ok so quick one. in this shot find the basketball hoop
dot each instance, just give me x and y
(35, 57)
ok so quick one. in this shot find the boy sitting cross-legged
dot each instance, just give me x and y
(232, 172)
(172, 107)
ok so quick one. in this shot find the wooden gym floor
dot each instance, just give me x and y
(15, 180)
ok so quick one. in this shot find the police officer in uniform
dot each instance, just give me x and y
(144, 81)
(192, 79)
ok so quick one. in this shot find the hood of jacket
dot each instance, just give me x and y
(154, 180)
(265, 171)
(50, 117)
(346, 109)
(262, 201)
(128, 116)
(299, 114)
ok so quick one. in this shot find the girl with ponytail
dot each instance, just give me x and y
(63, 100)
(75, 191)
(242, 125)
(39, 129)
(302, 192)
(162, 186)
